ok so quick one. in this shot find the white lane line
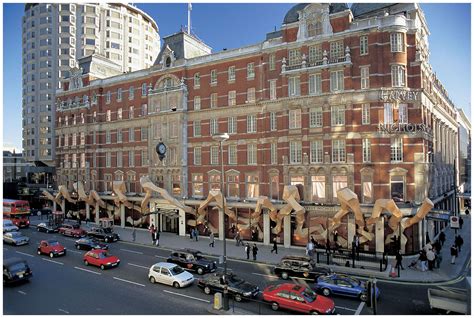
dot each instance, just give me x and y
(86, 270)
(127, 281)
(359, 309)
(161, 256)
(125, 250)
(138, 266)
(64, 311)
(26, 254)
(22, 292)
(170, 292)
(345, 308)
(50, 260)
(73, 251)
(271, 276)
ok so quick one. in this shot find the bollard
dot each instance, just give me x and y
(217, 301)
(317, 257)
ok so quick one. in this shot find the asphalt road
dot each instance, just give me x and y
(64, 285)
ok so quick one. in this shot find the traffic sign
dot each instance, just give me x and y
(454, 222)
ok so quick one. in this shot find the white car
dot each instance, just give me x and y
(170, 274)
(8, 226)
(15, 238)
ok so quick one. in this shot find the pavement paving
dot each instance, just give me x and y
(446, 272)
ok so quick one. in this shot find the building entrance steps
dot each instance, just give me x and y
(446, 272)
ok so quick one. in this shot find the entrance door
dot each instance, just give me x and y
(170, 223)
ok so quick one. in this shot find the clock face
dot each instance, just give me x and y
(161, 148)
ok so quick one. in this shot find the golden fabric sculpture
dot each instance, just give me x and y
(62, 194)
(150, 187)
(214, 195)
(93, 199)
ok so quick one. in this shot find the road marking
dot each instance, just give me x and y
(22, 292)
(6, 249)
(345, 308)
(170, 292)
(161, 256)
(50, 260)
(138, 266)
(86, 270)
(271, 276)
(359, 309)
(127, 281)
(26, 254)
(70, 239)
(73, 251)
(64, 311)
(125, 250)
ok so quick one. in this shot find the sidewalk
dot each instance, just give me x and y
(447, 271)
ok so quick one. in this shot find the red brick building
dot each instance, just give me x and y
(337, 98)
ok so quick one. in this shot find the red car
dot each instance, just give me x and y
(52, 248)
(72, 230)
(298, 298)
(100, 258)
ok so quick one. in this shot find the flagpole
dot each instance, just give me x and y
(189, 18)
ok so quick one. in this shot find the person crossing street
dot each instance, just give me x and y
(275, 247)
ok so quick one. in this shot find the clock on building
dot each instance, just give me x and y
(161, 150)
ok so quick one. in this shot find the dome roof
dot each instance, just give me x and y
(359, 9)
(292, 15)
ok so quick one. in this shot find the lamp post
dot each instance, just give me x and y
(221, 138)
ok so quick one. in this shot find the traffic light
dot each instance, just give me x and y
(368, 301)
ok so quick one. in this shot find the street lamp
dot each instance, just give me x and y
(221, 138)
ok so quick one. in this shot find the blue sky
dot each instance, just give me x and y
(235, 25)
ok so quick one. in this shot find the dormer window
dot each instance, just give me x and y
(168, 62)
(315, 28)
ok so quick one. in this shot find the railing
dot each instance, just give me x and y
(344, 257)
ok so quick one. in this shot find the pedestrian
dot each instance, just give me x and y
(437, 246)
(454, 253)
(152, 232)
(196, 234)
(309, 249)
(357, 244)
(237, 238)
(336, 235)
(211, 239)
(232, 229)
(461, 222)
(457, 242)
(442, 238)
(423, 261)
(399, 259)
(254, 251)
(247, 250)
(191, 233)
(428, 247)
(430, 255)
(134, 234)
(157, 238)
(275, 247)
(438, 258)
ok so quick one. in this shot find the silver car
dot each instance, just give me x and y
(15, 238)
(170, 274)
(8, 226)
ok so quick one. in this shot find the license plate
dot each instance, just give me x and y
(20, 275)
(114, 264)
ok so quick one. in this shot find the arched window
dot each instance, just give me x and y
(315, 28)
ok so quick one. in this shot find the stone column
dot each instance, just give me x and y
(266, 228)
(88, 212)
(97, 212)
(287, 231)
(351, 230)
(122, 216)
(380, 235)
(54, 206)
(182, 223)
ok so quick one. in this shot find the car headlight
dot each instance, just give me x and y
(329, 310)
(247, 294)
(109, 263)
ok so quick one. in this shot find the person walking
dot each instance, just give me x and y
(461, 222)
(191, 233)
(458, 241)
(247, 250)
(442, 238)
(275, 247)
(254, 251)
(237, 238)
(437, 246)
(196, 234)
(152, 232)
(454, 253)
(438, 259)
(211, 239)
(157, 238)
(399, 259)
(423, 261)
(357, 244)
(430, 255)
(309, 249)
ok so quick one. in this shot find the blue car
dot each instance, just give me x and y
(342, 285)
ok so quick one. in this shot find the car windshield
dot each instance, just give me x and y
(103, 255)
(234, 280)
(17, 267)
(177, 270)
(54, 243)
(198, 256)
(353, 281)
(16, 234)
(107, 230)
(309, 295)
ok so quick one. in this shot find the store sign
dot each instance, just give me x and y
(398, 128)
(454, 222)
(400, 95)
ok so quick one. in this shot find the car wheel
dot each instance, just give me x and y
(51, 255)
(207, 290)
(78, 246)
(200, 271)
(176, 285)
(152, 279)
(86, 263)
(363, 297)
(39, 252)
(275, 306)
(284, 275)
(102, 267)
(314, 312)
(326, 292)
(238, 298)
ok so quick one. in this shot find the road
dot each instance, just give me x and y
(64, 285)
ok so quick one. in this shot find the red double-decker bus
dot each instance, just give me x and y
(18, 211)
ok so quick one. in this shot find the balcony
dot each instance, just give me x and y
(326, 62)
